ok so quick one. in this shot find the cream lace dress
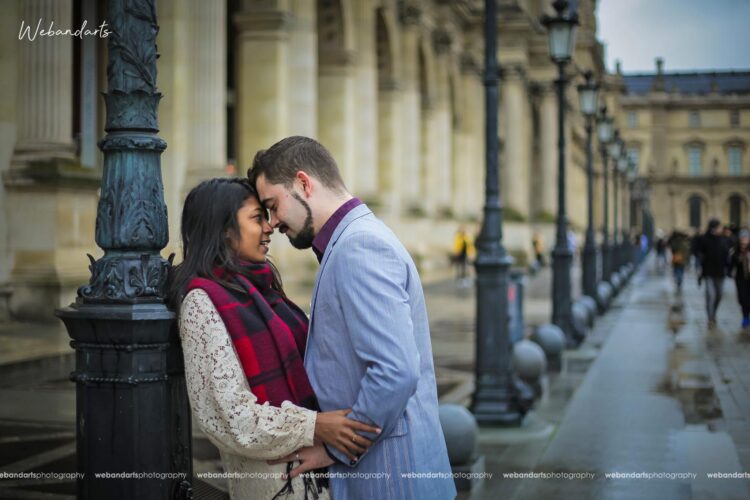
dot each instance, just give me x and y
(245, 432)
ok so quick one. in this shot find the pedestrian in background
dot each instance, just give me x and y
(463, 250)
(712, 250)
(538, 244)
(661, 252)
(679, 247)
(572, 241)
(740, 262)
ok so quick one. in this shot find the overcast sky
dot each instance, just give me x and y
(688, 34)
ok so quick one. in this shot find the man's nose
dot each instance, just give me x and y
(274, 221)
(267, 227)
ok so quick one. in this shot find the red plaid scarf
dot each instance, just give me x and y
(269, 333)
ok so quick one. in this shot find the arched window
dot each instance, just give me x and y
(735, 209)
(694, 204)
(695, 160)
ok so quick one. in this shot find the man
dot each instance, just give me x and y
(712, 250)
(369, 343)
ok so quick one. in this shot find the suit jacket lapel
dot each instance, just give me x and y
(354, 214)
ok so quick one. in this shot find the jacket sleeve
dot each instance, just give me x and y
(377, 313)
(220, 397)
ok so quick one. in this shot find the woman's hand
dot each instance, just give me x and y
(334, 429)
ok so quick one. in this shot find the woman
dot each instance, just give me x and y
(243, 342)
(740, 260)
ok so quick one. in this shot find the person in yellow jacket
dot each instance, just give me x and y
(463, 251)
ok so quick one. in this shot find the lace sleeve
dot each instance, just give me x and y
(220, 396)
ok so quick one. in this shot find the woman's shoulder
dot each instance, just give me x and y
(197, 308)
(196, 298)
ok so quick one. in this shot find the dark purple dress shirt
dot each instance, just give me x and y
(320, 243)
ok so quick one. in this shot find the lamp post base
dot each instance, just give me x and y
(562, 314)
(502, 404)
(589, 269)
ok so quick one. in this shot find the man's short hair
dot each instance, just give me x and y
(281, 162)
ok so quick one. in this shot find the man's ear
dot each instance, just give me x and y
(305, 182)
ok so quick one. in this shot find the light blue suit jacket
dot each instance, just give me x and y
(369, 349)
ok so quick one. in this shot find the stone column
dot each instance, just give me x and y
(411, 140)
(45, 77)
(366, 89)
(516, 163)
(389, 148)
(303, 70)
(207, 112)
(45, 182)
(471, 153)
(547, 201)
(443, 181)
(262, 89)
(336, 111)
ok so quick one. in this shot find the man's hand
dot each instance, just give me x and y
(312, 457)
(335, 429)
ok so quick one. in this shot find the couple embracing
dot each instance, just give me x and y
(343, 405)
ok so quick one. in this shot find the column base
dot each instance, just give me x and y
(589, 270)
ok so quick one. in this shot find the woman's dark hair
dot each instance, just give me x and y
(208, 216)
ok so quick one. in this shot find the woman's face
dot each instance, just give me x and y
(744, 241)
(255, 232)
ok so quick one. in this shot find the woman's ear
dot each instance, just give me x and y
(231, 237)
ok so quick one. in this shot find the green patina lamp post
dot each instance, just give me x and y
(497, 399)
(561, 30)
(132, 409)
(604, 131)
(589, 102)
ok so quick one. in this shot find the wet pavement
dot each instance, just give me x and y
(635, 398)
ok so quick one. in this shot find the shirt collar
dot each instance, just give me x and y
(320, 243)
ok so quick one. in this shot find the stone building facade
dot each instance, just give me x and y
(392, 87)
(689, 134)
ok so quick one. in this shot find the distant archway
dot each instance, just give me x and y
(696, 211)
(737, 208)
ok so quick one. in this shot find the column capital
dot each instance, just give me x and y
(336, 56)
(442, 41)
(263, 21)
(409, 13)
(512, 71)
(469, 63)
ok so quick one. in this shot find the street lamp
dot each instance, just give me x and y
(605, 131)
(615, 147)
(588, 94)
(631, 175)
(561, 29)
(497, 400)
(132, 409)
(622, 167)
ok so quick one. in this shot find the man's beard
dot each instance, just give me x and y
(306, 235)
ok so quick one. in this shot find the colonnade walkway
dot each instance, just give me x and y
(652, 405)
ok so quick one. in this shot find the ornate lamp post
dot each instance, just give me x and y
(615, 148)
(588, 94)
(632, 175)
(496, 399)
(604, 131)
(561, 29)
(622, 167)
(132, 409)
